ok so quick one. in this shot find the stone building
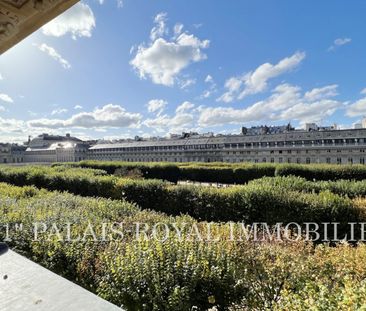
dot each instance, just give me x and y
(315, 145)
(11, 153)
(54, 148)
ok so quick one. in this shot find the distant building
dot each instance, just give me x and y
(11, 153)
(263, 144)
(363, 122)
(54, 148)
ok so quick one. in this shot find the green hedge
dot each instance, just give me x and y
(235, 173)
(173, 172)
(348, 188)
(181, 274)
(251, 203)
(323, 171)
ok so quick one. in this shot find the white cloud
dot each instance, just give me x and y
(78, 107)
(212, 87)
(363, 91)
(2, 108)
(323, 92)
(109, 116)
(286, 103)
(184, 107)
(356, 109)
(257, 81)
(160, 28)
(186, 83)
(182, 120)
(49, 50)
(163, 59)
(342, 41)
(6, 98)
(1, 77)
(209, 79)
(178, 28)
(156, 105)
(58, 111)
(119, 2)
(79, 21)
(339, 42)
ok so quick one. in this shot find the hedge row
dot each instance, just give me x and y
(173, 172)
(348, 188)
(250, 203)
(323, 171)
(225, 172)
(180, 274)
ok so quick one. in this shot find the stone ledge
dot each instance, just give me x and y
(25, 285)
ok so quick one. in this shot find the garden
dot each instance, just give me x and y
(132, 234)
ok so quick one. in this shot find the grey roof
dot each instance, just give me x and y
(28, 286)
(297, 134)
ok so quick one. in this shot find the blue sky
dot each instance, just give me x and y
(115, 69)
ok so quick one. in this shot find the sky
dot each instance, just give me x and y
(112, 69)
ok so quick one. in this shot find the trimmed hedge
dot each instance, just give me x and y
(348, 188)
(323, 171)
(235, 173)
(250, 203)
(203, 172)
(181, 274)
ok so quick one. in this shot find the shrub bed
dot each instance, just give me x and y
(174, 274)
(250, 203)
(323, 171)
(230, 173)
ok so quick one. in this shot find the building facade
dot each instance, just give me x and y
(53, 148)
(11, 153)
(321, 145)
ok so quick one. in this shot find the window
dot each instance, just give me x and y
(307, 160)
(328, 160)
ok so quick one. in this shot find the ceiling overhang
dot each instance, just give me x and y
(20, 18)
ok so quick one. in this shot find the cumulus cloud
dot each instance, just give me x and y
(339, 42)
(78, 107)
(184, 107)
(357, 108)
(257, 81)
(183, 119)
(109, 116)
(318, 93)
(156, 106)
(78, 21)
(363, 91)
(1, 77)
(6, 98)
(162, 60)
(286, 103)
(50, 51)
